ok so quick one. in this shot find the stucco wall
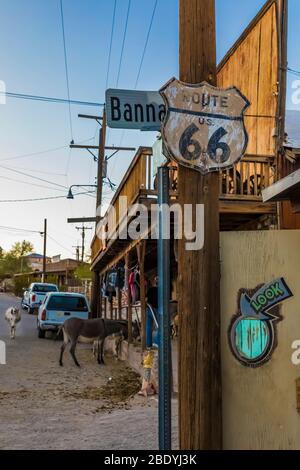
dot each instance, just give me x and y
(259, 404)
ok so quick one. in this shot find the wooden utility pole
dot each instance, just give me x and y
(101, 157)
(83, 229)
(282, 24)
(282, 7)
(95, 296)
(45, 251)
(200, 394)
(77, 252)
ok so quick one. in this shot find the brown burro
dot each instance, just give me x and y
(76, 329)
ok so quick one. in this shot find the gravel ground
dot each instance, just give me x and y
(44, 406)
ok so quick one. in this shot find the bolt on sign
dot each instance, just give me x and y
(204, 126)
(252, 333)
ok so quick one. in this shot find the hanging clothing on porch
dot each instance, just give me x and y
(120, 277)
(110, 285)
(134, 285)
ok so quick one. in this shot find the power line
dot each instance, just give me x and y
(38, 171)
(59, 244)
(16, 229)
(68, 161)
(33, 177)
(54, 149)
(146, 43)
(294, 72)
(111, 40)
(66, 65)
(123, 43)
(43, 198)
(39, 179)
(34, 153)
(88, 193)
(49, 99)
(31, 184)
(143, 56)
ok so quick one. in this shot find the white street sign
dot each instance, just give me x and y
(131, 109)
(158, 157)
(204, 126)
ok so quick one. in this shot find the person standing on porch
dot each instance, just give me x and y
(152, 314)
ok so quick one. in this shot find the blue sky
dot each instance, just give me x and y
(32, 62)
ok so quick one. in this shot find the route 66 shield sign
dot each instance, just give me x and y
(204, 125)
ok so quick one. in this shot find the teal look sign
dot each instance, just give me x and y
(252, 333)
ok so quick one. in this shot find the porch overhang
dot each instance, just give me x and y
(286, 189)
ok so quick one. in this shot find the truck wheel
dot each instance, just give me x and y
(41, 333)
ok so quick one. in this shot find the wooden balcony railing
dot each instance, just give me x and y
(247, 179)
(244, 182)
(138, 177)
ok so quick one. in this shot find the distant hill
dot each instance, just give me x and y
(292, 126)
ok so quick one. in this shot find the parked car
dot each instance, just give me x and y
(58, 307)
(35, 294)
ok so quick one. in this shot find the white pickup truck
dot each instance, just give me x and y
(34, 295)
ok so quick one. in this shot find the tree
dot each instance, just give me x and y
(12, 261)
(20, 249)
(83, 272)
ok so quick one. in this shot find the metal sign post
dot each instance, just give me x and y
(164, 352)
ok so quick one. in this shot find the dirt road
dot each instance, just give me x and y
(44, 406)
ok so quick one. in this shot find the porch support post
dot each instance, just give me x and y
(129, 308)
(141, 250)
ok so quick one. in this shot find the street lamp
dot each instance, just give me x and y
(70, 193)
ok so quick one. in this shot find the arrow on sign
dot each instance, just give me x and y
(264, 299)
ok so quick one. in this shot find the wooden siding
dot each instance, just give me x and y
(288, 219)
(252, 66)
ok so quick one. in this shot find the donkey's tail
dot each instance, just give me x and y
(58, 333)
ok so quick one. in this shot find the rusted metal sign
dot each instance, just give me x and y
(204, 125)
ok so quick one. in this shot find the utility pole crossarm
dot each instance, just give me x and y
(81, 219)
(88, 116)
(97, 147)
(125, 149)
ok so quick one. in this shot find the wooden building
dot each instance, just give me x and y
(255, 64)
(61, 272)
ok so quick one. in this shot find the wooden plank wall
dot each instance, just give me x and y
(252, 66)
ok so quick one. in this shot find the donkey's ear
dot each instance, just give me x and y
(11, 310)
